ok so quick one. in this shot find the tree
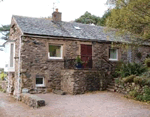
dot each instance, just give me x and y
(104, 18)
(130, 16)
(87, 18)
(4, 30)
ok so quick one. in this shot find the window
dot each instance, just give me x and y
(55, 52)
(40, 82)
(11, 55)
(113, 54)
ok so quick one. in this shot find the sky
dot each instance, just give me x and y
(70, 9)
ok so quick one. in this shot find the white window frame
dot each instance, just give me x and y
(13, 55)
(111, 59)
(40, 85)
(61, 52)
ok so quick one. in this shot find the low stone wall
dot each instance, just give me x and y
(4, 85)
(125, 88)
(80, 81)
(32, 100)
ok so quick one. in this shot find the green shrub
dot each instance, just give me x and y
(117, 80)
(133, 93)
(146, 74)
(128, 79)
(139, 97)
(2, 76)
(146, 97)
(137, 80)
(131, 69)
(147, 62)
(147, 90)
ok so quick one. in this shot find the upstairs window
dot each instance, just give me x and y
(113, 54)
(55, 51)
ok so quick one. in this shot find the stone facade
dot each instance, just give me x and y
(34, 59)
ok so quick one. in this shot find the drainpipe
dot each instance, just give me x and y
(19, 79)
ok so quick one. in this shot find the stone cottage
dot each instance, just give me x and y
(41, 53)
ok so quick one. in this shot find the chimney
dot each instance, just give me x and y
(56, 16)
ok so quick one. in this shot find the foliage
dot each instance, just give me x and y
(4, 30)
(139, 55)
(147, 62)
(146, 74)
(78, 60)
(2, 76)
(130, 16)
(128, 79)
(102, 22)
(117, 80)
(133, 93)
(145, 96)
(139, 97)
(137, 80)
(88, 18)
(131, 69)
(117, 69)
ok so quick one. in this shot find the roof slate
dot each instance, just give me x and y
(41, 26)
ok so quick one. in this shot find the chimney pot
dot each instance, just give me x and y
(56, 9)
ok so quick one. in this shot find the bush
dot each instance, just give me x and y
(133, 93)
(145, 96)
(146, 74)
(2, 76)
(117, 80)
(147, 90)
(139, 97)
(137, 80)
(128, 79)
(147, 62)
(131, 69)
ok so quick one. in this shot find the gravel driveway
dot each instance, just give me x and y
(97, 104)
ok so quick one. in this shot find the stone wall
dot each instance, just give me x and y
(81, 81)
(125, 88)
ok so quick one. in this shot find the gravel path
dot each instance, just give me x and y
(97, 104)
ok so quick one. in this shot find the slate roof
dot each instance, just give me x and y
(41, 26)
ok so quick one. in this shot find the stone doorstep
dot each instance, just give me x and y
(32, 100)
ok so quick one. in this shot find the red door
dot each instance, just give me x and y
(86, 55)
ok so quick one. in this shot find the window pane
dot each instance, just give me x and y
(55, 51)
(113, 53)
(39, 80)
(11, 55)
